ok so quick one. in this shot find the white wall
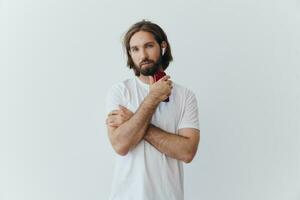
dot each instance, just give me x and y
(58, 58)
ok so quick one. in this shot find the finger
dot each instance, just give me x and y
(113, 125)
(166, 77)
(114, 112)
(117, 122)
(122, 108)
(170, 82)
(108, 121)
(151, 80)
(112, 119)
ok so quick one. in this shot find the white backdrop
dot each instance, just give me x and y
(240, 57)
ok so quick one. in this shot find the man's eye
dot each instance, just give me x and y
(149, 45)
(133, 49)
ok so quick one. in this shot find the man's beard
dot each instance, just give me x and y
(151, 69)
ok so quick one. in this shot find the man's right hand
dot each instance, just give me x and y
(160, 90)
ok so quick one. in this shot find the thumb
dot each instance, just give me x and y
(151, 80)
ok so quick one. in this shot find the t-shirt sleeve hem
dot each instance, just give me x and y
(189, 126)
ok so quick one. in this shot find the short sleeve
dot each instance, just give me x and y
(115, 97)
(190, 115)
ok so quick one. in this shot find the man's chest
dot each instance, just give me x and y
(166, 116)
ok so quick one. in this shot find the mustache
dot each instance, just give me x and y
(146, 61)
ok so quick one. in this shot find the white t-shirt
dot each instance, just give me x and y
(145, 173)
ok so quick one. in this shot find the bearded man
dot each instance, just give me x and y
(152, 124)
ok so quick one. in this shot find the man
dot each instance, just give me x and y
(151, 136)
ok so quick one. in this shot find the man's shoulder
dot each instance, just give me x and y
(182, 90)
(123, 84)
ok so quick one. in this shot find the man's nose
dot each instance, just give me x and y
(144, 54)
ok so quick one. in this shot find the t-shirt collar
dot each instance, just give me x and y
(142, 84)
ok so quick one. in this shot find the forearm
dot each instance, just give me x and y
(175, 146)
(132, 131)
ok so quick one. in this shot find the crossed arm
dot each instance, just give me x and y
(181, 147)
(126, 129)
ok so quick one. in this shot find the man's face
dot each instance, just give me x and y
(145, 53)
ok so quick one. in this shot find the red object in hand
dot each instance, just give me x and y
(158, 75)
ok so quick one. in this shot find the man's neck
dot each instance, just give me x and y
(145, 79)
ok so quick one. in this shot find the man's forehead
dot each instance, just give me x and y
(140, 38)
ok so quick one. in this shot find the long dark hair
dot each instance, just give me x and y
(159, 36)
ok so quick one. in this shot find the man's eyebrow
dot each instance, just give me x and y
(133, 47)
(152, 42)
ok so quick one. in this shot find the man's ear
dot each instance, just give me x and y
(164, 45)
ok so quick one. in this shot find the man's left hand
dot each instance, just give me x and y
(117, 117)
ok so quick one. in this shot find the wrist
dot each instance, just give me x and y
(152, 100)
(148, 133)
(146, 136)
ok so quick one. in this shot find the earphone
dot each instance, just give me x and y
(163, 50)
